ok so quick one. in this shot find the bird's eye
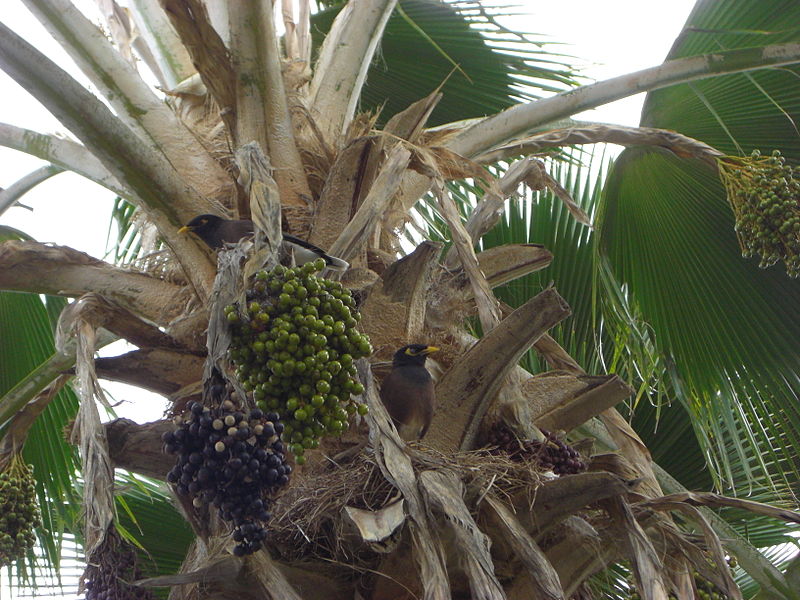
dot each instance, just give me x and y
(203, 221)
(411, 352)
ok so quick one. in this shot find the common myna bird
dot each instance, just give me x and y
(216, 232)
(407, 392)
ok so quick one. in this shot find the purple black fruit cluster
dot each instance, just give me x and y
(110, 569)
(551, 454)
(233, 460)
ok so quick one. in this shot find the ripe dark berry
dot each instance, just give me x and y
(229, 472)
(552, 454)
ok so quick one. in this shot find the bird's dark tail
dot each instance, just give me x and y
(336, 264)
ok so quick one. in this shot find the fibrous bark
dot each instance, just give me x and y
(139, 448)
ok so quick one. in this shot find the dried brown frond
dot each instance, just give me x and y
(208, 52)
(298, 220)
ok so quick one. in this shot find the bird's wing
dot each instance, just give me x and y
(333, 262)
(304, 244)
(409, 401)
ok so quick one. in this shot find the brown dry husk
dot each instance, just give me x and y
(307, 520)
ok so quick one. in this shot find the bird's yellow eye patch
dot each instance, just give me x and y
(410, 352)
(203, 221)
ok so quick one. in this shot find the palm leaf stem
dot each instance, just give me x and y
(522, 118)
(167, 199)
(12, 194)
(135, 103)
(772, 581)
(171, 57)
(344, 59)
(42, 376)
(67, 154)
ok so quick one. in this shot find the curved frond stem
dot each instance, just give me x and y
(488, 307)
(42, 376)
(164, 196)
(343, 63)
(772, 582)
(602, 133)
(12, 194)
(262, 108)
(21, 422)
(61, 271)
(544, 577)
(520, 119)
(159, 369)
(66, 154)
(467, 389)
(131, 98)
(172, 60)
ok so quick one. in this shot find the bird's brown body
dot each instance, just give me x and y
(408, 392)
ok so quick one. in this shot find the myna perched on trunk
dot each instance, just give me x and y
(407, 392)
(216, 232)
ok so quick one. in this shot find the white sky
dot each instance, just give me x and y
(611, 38)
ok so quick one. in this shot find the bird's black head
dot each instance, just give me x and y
(413, 354)
(216, 231)
(202, 224)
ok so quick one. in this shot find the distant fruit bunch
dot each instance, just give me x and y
(551, 454)
(19, 513)
(231, 459)
(294, 347)
(110, 571)
(705, 590)
(764, 193)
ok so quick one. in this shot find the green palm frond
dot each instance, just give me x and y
(26, 340)
(162, 536)
(128, 244)
(484, 67)
(727, 328)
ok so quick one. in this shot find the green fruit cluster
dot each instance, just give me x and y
(765, 195)
(294, 347)
(19, 513)
(705, 589)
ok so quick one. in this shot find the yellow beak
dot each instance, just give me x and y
(430, 350)
(184, 229)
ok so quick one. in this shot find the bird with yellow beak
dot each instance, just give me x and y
(407, 392)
